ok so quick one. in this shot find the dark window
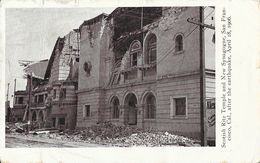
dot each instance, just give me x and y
(152, 55)
(180, 106)
(40, 99)
(86, 111)
(134, 59)
(62, 121)
(151, 50)
(178, 43)
(35, 99)
(134, 49)
(63, 93)
(54, 93)
(115, 108)
(53, 122)
(150, 107)
(20, 100)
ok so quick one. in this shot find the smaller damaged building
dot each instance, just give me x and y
(140, 66)
(53, 98)
(19, 105)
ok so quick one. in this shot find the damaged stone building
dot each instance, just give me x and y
(141, 66)
(53, 85)
(20, 101)
(137, 66)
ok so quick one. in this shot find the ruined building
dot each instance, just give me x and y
(137, 66)
(141, 66)
(53, 85)
(19, 105)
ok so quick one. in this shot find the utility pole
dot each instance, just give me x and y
(194, 21)
(14, 91)
(30, 95)
(14, 84)
(7, 94)
(7, 105)
(203, 120)
(203, 128)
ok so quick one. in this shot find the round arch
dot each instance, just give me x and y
(115, 110)
(147, 38)
(135, 46)
(145, 94)
(178, 40)
(126, 94)
(149, 103)
(40, 116)
(130, 105)
(34, 116)
(112, 98)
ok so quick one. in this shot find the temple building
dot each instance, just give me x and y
(140, 66)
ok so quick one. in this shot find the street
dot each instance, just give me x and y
(22, 141)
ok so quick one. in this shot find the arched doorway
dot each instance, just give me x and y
(115, 107)
(150, 106)
(131, 109)
(34, 116)
(40, 116)
(40, 119)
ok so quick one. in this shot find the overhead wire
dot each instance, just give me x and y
(171, 50)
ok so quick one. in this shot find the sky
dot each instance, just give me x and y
(30, 34)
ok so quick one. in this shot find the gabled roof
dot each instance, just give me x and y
(58, 45)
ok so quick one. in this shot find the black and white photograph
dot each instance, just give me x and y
(150, 81)
(110, 77)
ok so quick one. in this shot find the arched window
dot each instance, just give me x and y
(135, 49)
(179, 43)
(151, 49)
(115, 108)
(150, 107)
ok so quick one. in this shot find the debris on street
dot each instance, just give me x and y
(108, 134)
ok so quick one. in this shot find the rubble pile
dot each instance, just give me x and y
(156, 139)
(107, 130)
(20, 127)
(112, 135)
(126, 136)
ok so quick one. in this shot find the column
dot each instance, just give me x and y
(140, 116)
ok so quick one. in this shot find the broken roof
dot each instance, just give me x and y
(149, 13)
(37, 69)
(58, 45)
(93, 20)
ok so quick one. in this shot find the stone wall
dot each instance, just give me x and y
(186, 61)
(65, 107)
(177, 75)
(89, 65)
